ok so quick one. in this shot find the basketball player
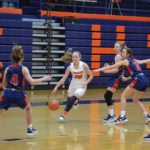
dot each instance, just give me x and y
(138, 85)
(114, 81)
(13, 83)
(137, 62)
(79, 81)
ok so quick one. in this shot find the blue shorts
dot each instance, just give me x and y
(13, 97)
(140, 83)
(114, 82)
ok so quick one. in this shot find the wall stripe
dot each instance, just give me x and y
(95, 65)
(98, 50)
(120, 36)
(148, 66)
(148, 37)
(96, 27)
(95, 57)
(120, 28)
(96, 16)
(10, 11)
(96, 43)
(96, 74)
(96, 35)
(1, 31)
(148, 44)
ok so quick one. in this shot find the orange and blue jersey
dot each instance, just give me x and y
(15, 78)
(139, 80)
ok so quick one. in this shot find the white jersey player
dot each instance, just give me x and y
(79, 81)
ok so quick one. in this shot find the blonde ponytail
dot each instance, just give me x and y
(68, 56)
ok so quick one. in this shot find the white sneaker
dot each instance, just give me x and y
(76, 105)
(147, 119)
(62, 117)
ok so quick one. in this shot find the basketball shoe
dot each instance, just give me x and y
(109, 118)
(147, 119)
(31, 131)
(62, 117)
(121, 119)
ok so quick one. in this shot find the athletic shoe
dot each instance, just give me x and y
(62, 117)
(109, 118)
(147, 119)
(146, 137)
(76, 104)
(31, 131)
(121, 119)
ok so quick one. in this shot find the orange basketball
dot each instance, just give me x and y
(53, 104)
(1, 75)
(0, 85)
(1, 65)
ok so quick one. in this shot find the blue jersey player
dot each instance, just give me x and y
(138, 85)
(137, 62)
(13, 85)
(114, 81)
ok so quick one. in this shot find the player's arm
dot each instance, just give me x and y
(62, 80)
(88, 71)
(137, 62)
(4, 79)
(125, 78)
(124, 62)
(28, 77)
(117, 59)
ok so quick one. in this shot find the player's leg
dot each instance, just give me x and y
(127, 92)
(77, 94)
(108, 98)
(136, 98)
(30, 130)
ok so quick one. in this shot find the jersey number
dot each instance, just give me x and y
(78, 76)
(14, 79)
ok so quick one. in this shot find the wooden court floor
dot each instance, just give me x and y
(83, 129)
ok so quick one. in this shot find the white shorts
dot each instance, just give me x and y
(76, 89)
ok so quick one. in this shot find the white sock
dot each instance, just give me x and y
(30, 126)
(111, 112)
(145, 113)
(123, 113)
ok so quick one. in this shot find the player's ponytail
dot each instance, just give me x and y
(17, 54)
(129, 51)
(122, 45)
(68, 56)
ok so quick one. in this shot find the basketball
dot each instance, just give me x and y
(0, 85)
(1, 75)
(1, 65)
(53, 104)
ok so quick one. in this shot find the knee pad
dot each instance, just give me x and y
(108, 98)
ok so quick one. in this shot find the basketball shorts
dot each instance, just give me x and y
(114, 82)
(13, 97)
(140, 83)
(75, 88)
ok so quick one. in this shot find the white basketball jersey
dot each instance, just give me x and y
(78, 75)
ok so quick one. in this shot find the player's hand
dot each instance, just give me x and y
(106, 65)
(84, 85)
(54, 91)
(95, 71)
(123, 78)
(47, 78)
(136, 62)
